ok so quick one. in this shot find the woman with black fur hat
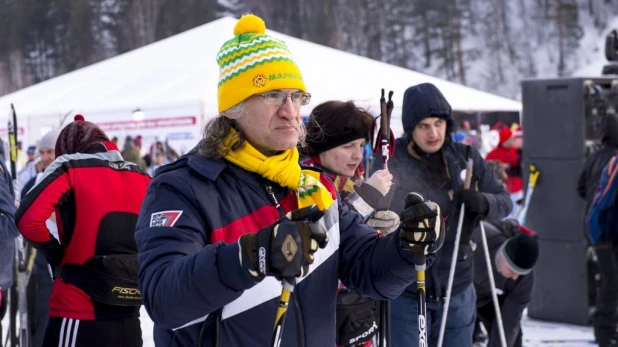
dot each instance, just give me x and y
(336, 134)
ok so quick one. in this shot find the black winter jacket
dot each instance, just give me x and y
(409, 175)
(418, 174)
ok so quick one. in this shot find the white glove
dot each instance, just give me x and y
(381, 180)
(385, 221)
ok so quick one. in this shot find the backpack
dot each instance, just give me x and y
(602, 216)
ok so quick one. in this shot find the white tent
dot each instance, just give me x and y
(178, 77)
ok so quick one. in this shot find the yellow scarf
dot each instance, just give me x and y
(282, 168)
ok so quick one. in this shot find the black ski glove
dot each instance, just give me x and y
(476, 208)
(476, 202)
(422, 227)
(286, 248)
(54, 253)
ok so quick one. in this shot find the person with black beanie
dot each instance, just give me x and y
(513, 251)
(427, 161)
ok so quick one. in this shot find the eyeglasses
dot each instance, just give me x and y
(280, 98)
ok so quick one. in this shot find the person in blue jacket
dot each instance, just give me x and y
(222, 226)
(8, 233)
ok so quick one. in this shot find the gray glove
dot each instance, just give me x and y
(384, 221)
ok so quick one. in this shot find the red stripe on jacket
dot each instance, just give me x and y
(254, 221)
(262, 217)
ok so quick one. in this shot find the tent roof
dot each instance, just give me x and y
(182, 70)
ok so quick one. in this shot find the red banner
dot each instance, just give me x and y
(170, 122)
(5, 132)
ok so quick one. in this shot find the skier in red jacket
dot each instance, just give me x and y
(96, 197)
(508, 153)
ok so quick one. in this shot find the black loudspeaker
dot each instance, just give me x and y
(561, 119)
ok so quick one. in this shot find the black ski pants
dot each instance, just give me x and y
(606, 318)
(67, 332)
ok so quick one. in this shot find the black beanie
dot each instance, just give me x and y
(423, 101)
(334, 123)
(521, 252)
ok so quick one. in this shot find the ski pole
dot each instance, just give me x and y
(13, 298)
(386, 108)
(389, 110)
(451, 274)
(12, 130)
(286, 292)
(385, 129)
(534, 176)
(22, 261)
(492, 283)
(420, 265)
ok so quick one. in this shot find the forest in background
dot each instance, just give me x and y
(486, 44)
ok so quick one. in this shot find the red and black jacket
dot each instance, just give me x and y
(96, 197)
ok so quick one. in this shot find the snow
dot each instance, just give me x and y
(536, 333)
(540, 333)
(591, 42)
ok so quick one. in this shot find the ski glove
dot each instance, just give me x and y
(384, 221)
(373, 197)
(422, 228)
(286, 248)
(476, 202)
(476, 208)
(381, 180)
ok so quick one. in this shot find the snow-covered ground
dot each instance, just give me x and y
(536, 333)
(542, 333)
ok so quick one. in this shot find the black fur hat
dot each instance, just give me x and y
(334, 123)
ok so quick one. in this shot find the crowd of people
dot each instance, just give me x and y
(207, 241)
(40, 155)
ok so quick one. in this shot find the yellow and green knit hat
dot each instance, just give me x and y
(253, 62)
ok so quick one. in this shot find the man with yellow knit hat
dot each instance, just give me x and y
(225, 226)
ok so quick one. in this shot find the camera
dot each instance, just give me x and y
(611, 53)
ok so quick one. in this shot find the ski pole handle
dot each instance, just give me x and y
(468, 180)
(534, 176)
(389, 110)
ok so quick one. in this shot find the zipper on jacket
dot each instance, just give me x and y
(271, 195)
(300, 324)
